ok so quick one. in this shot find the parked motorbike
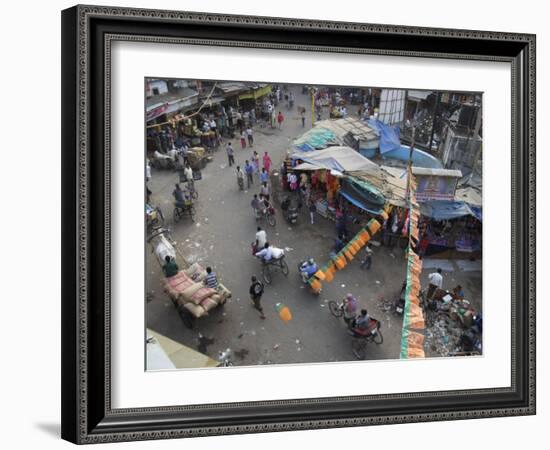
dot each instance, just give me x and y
(399, 304)
(290, 212)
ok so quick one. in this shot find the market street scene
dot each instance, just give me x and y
(294, 224)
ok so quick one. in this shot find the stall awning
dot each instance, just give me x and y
(362, 195)
(418, 95)
(256, 93)
(342, 159)
(335, 132)
(446, 210)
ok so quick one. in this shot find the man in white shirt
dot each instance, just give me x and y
(435, 281)
(266, 254)
(188, 173)
(261, 238)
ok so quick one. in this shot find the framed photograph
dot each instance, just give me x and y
(282, 224)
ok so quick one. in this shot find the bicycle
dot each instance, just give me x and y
(335, 308)
(267, 214)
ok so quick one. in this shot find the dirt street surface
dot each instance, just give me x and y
(220, 237)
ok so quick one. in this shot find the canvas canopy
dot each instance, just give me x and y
(446, 210)
(342, 159)
(328, 133)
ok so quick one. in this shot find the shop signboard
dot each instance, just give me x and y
(436, 184)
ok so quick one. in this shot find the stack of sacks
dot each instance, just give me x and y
(198, 273)
(187, 291)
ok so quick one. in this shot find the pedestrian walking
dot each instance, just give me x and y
(303, 119)
(248, 170)
(264, 176)
(243, 139)
(435, 281)
(255, 204)
(267, 161)
(252, 117)
(293, 181)
(256, 291)
(264, 190)
(367, 262)
(188, 172)
(261, 239)
(256, 163)
(147, 170)
(239, 117)
(230, 154)
(312, 209)
(280, 119)
(250, 136)
(303, 180)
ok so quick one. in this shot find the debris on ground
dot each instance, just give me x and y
(204, 342)
(384, 305)
(442, 337)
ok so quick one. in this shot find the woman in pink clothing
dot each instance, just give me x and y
(267, 162)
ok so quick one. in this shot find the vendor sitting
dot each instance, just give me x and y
(458, 293)
(170, 268)
(210, 280)
(308, 269)
(266, 254)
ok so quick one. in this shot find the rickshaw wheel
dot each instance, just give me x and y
(176, 215)
(378, 338)
(359, 348)
(335, 310)
(266, 274)
(284, 268)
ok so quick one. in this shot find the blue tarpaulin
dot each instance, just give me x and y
(445, 210)
(389, 136)
(477, 212)
(360, 204)
(362, 195)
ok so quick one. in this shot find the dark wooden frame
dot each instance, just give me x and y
(87, 32)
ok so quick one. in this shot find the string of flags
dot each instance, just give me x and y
(412, 336)
(341, 259)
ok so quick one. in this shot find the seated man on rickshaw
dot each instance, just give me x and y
(363, 324)
(182, 197)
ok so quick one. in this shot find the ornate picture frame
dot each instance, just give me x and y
(87, 35)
